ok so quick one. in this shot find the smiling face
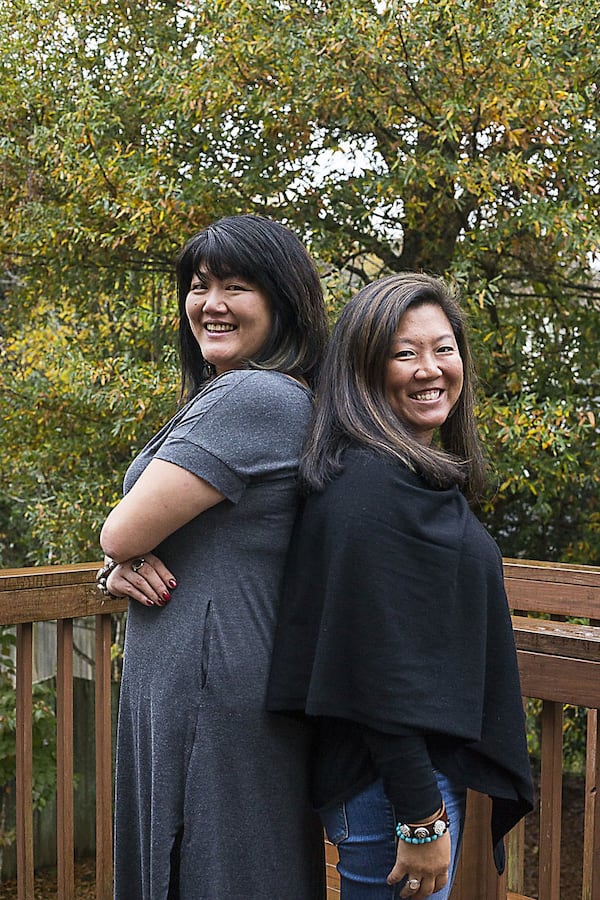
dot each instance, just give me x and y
(424, 372)
(229, 317)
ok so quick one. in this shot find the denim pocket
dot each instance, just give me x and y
(335, 822)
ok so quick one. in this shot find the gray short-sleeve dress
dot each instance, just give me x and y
(201, 766)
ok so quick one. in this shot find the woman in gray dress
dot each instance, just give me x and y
(211, 793)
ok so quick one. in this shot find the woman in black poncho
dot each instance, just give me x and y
(394, 629)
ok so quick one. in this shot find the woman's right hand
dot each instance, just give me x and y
(427, 864)
(145, 579)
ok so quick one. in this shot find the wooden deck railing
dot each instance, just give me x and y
(559, 663)
(61, 593)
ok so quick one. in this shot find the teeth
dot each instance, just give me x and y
(428, 395)
(214, 326)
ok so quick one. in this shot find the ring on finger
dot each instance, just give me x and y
(414, 885)
(137, 564)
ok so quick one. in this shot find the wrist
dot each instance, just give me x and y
(102, 576)
(424, 832)
(429, 820)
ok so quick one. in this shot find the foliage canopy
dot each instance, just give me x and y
(458, 138)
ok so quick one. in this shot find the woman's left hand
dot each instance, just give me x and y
(145, 579)
(424, 865)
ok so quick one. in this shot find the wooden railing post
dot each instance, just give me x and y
(476, 877)
(591, 831)
(64, 759)
(551, 800)
(24, 752)
(515, 848)
(104, 785)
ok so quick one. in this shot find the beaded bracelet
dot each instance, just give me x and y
(102, 577)
(426, 833)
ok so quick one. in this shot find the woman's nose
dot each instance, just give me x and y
(214, 300)
(428, 368)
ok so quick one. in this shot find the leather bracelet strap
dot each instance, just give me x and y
(424, 833)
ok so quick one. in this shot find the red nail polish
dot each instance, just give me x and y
(172, 583)
(166, 596)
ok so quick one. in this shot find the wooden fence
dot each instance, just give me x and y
(559, 662)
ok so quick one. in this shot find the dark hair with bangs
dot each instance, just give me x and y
(272, 258)
(351, 405)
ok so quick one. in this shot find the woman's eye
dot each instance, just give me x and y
(404, 354)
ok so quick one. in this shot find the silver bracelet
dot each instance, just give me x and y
(102, 577)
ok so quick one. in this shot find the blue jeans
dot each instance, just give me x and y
(363, 830)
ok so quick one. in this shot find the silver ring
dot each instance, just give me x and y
(414, 885)
(137, 564)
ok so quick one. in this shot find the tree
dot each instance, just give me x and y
(455, 138)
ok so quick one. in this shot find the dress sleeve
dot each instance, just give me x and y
(246, 427)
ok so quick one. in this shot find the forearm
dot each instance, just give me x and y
(405, 767)
(164, 498)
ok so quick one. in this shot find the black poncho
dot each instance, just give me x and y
(394, 616)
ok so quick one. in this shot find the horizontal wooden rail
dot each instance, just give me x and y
(559, 661)
(52, 592)
(557, 589)
(556, 638)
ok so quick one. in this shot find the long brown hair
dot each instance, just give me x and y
(351, 406)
